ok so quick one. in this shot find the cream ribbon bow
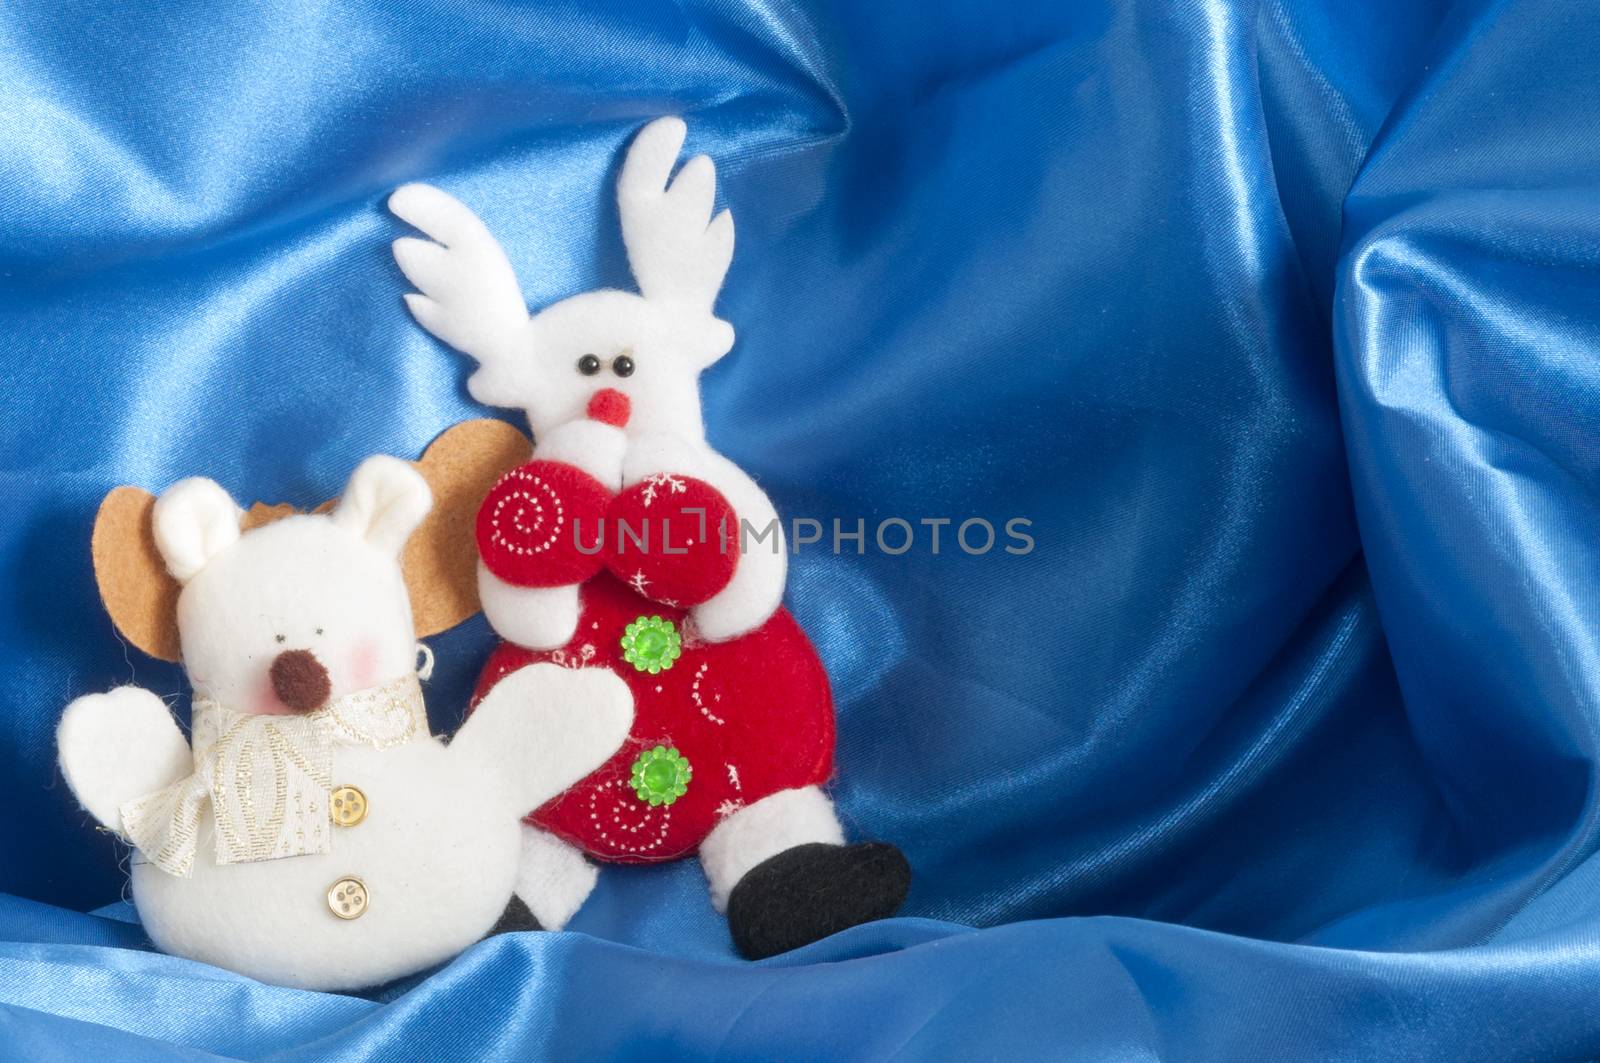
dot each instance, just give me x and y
(268, 778)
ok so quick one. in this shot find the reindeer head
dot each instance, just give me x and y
(648, 347)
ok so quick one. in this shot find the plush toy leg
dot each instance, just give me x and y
(553, 879)
(781, 871)
(760, 831)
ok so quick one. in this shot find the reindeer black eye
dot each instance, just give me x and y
(588, 365)
(281, 638)
(622, 365)
(319, 631)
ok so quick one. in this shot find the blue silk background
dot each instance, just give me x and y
(1280, 321)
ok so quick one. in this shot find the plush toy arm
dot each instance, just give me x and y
(538, 532)
(756, 590)
(118, 747)
(543, 728)
(735, 587)
(539, 524)
(538, 618)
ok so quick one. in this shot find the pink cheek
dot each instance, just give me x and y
(267, 702)
(364, 665)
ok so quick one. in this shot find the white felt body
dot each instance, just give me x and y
(593, 446)
(440, 850)
(437, 852)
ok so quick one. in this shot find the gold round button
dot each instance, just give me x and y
(347, 806)
(347, 898)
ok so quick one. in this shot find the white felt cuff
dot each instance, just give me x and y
(757, 832)
(553, 878)
(538, 618)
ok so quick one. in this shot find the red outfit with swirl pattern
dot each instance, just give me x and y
(718, 725)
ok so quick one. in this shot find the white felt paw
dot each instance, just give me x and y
(544, 727)
(118, 747)
(583, 717)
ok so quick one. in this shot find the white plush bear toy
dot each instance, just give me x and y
(317, 835)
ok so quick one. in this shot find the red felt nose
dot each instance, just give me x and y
(610, 406)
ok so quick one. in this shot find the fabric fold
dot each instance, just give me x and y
(1277, 320)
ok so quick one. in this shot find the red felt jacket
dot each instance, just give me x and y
(751, 716)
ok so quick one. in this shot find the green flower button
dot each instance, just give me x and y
(651, 644)
(660, 776)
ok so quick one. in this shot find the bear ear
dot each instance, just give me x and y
(383, 503)
(194, 520)
(138, 591)
(441, 558)
(135, 583)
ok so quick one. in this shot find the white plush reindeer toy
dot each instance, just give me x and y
(316, 834)
(619, 545)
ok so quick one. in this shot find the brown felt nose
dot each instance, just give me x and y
(300, 680)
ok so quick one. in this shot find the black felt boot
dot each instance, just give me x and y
(515, 917)
(808, 892)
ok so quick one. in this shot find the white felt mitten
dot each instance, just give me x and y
(539, 618)
(117, 747)
(543, 728)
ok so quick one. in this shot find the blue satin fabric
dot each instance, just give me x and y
(1280, 321)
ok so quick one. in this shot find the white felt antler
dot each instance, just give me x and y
(678, 251)
(469, 295)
